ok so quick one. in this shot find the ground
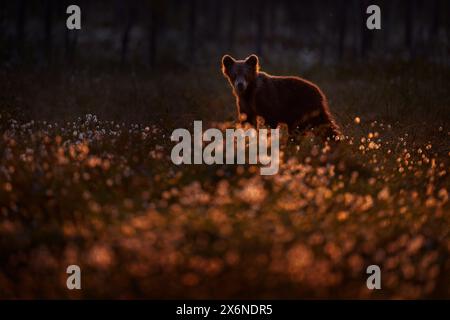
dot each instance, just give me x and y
(86, 179)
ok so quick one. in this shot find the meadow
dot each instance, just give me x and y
(86, 179)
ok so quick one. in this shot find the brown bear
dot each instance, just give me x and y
(291, 100)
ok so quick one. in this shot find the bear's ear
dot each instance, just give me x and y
(227, 63)
(253, 61)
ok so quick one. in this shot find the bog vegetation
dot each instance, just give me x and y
(86, 178)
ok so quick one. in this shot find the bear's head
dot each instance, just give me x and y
(240, 73)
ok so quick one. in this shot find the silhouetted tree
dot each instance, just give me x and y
(447, 30)
(272, 7)
(4, 48)
(192, 24)
(48, 28)
(341, 18)
(70, 36)
(261, 7)
(408, 25)
(156, 14)
(435, 19)
(366, 34)
(20, 25)
(232, 24)
(129, 15)
(217, 29)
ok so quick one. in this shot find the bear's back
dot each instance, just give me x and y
(286, 98)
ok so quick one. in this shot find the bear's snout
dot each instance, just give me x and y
(240, 85)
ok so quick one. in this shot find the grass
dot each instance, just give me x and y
(101, 192)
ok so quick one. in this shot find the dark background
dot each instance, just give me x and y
(186, 33)
(148, 60)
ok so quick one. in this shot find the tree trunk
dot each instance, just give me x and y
(408, 26)
(342, 27)
(232, 24)
(48, 28)
(218, 25)
(260, 27)
(70, 44)
(191, 30)
(20, 26)
(153, 37)
(125, 39)
(129, 18)
(366, 34)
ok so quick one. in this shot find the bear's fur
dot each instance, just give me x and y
(291, 100)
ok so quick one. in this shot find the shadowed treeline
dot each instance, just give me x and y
(157, 33)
